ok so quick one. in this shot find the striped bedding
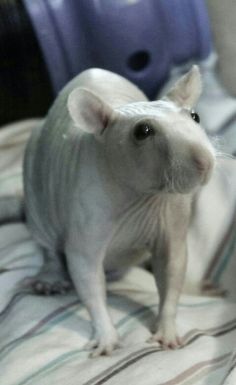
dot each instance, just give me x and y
(42, 339)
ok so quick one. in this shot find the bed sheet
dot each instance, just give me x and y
(42, 339)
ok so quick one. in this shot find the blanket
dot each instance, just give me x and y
(42, 339)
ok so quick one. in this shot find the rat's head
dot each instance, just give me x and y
(150, 146)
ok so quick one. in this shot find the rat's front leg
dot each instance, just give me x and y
(88, 276)
(169, 266)
(169, 270)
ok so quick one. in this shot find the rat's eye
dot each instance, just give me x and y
(143, 131)
(195, 116)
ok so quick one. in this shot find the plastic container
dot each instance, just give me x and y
(139, 39)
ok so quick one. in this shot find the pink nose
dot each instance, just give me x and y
(203, 162)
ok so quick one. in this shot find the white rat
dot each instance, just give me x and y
(109, 179)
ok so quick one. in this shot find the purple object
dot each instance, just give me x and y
(139, 39)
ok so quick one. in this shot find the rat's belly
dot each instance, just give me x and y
(134, 235)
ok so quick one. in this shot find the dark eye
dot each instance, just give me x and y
(195, 117)
(143, 131)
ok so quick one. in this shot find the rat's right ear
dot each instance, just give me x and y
(88, 111)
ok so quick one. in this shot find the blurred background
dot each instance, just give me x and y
(44, 43)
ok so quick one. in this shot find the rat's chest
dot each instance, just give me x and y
(139, 226)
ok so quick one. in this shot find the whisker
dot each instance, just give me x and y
(220, 154)
(219, 145)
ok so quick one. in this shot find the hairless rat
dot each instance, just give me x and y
(110, 179)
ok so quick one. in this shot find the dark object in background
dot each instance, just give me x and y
(25, 89)
(44, 43)
(12, 210)
(138, 39)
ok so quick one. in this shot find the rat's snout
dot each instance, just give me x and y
(203, 161)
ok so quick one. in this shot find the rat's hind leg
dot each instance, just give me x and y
(53, 277)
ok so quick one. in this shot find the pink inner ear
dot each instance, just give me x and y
(88, 111)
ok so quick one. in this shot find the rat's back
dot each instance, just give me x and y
(53, 155)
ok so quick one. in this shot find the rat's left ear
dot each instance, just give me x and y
(187, 89)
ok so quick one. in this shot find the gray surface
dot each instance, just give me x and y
(223, 22)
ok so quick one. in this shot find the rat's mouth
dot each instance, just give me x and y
(171, 186)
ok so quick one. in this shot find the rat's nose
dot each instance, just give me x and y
(203, 161)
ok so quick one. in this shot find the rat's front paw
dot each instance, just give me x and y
(103, 344)
(166, 336)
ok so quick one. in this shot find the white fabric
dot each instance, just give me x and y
(42, 338)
